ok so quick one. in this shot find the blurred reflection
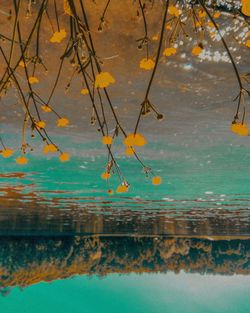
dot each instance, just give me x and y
(28, 260)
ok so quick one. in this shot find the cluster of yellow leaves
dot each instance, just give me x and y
(196, 50)
(135, 140)
(107, 140)
(33, 80)
(245, 9)
(147, 64)
(22, 160)
(58, 36)
(49, 148)
(169, 51)
(7, 153)
(172, 10)
(62, 122)
(240, 129)
(103, 80)
(64, 157)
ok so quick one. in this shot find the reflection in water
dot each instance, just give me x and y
(29, 260)
(29, 213)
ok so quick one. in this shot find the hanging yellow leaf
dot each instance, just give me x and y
(84, 91)
(103, 80)
(245, 9)
(49, 148)
(156, 180)
(147, 64)
(122, 188)
(46, 108)
(58, 36)
(66, 7)
(169, 51)
(22, 160)
(64, 157)
(40, 124)
(240, 129)
(135, 140)
(62, 122)
(105, 175)
(107, 140)
(6, 153)
(33, 80)
(196, 50)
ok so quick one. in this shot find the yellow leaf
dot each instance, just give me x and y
(103, 80)
(245, 7)
(6, 153)
(240, 129)
(21, 63)
(46, 108)
(105, 175)
(135, 140)
(169, 51)
(84, 91)
(33, 80)
(49, 148)
(196, 50)
(67, 8)
(58, 36)
(62, 122)
(107, 140)
(40, 124)
(172, 10)
(122, 188)
(64, 157)
(147, 64)
(22, 160)
(155, 37)
(202, 13)
(217, 14)
(156, 180)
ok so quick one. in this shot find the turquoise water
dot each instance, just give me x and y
(147, 293)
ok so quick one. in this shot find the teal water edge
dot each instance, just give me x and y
(145, 293)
